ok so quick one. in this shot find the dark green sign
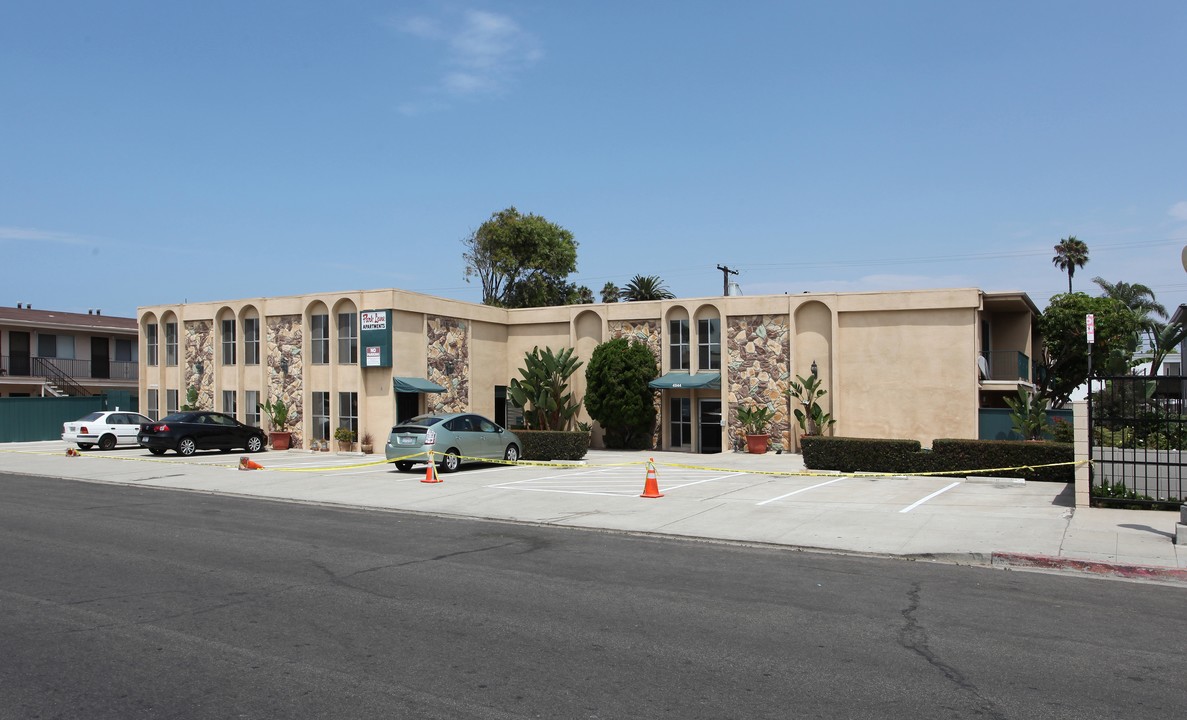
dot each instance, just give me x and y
(375, 336)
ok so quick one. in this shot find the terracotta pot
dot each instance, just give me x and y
(280, 440)
(367, 449)
(756, 444)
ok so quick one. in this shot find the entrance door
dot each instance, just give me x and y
(709, 425)
(407, 406)
(100, 359)
(18, 353)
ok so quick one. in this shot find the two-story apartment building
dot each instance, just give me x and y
(917, 364)
(48, 353)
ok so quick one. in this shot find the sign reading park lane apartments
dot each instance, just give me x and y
(375, 337)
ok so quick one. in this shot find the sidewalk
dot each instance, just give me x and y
(733, 497)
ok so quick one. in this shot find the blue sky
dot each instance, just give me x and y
(155, 152)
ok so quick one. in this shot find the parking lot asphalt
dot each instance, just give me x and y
(761, 499)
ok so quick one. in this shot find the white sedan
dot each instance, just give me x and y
(105, 429)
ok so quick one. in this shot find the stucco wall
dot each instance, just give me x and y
(906, 374)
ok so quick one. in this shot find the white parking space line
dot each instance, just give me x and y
(614, 482)
(917, 503)
(797, 492)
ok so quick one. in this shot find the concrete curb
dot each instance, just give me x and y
(1092, 567)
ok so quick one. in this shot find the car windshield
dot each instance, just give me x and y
(417, 424)
(91, 417)
(177, 417)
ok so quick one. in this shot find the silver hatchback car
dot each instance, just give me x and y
(454, 437)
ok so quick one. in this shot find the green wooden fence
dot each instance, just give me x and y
(36, 418)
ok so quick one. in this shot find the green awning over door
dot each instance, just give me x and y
(415, 385)
(680, 380)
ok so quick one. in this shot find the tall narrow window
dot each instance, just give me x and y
(154, 403)
(170, 402)
(348, 339)
(229, 342)
(251, 341)
(171, 343)
(709, 344)
(229, 402)
(319, 339)
(348, 411)
(251, 413)
(150, 345)
(678, 346)
(321, 416)
(680, 422)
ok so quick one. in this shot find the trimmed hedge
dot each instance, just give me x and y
(905, 457)
(553, 444)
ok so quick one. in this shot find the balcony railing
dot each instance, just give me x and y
(81, 370)
(1007, 365)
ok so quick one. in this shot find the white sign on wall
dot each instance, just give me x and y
(373, 320)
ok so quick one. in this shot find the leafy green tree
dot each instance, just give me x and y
(617, 393)
(645, 287)
(521, 260)
(543, 393)
(1064, 361)
(1070, 254)
(610, 292)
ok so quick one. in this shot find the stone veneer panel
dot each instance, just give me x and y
(448, 341)
(647, 332)
(199, 348)
(284, 342)
(759, 371)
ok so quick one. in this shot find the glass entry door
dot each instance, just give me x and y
(709, 426)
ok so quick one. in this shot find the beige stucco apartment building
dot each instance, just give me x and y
(917, 364)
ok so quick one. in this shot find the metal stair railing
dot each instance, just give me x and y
(43, 368)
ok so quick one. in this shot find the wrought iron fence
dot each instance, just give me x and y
(1138, 434)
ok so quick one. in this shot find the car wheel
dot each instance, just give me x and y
(255, 443)
(84, 446)
(186, 446)
(107, 442)
(450, 461)
(403, 466)
(511, 454)
(156, 451)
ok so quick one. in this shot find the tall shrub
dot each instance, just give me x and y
(617, 393)
(543, 392)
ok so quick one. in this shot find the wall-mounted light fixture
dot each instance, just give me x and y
(198, 368)
(814, 369)
(284, 366)
(448, 366)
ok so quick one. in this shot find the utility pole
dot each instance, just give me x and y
(725, 280)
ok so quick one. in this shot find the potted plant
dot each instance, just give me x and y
(754, 421)
(278, 417)
(366, 443)
(345, 437)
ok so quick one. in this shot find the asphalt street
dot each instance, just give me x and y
(130, 602)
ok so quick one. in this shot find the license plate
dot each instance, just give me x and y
(405, 440)
(142, 438)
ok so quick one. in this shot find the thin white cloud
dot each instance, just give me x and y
(33, 235)
(1179, 210)
(484, 53)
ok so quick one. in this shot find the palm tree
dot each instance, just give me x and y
(645, 287)
(610, 292)
(1070, 254)
(1141, 302)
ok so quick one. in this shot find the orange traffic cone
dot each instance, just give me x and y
(246, 463)
(431, 475)
(651, 487)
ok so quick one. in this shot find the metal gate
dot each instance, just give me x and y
(1138, 432)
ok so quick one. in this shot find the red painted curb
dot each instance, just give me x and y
(1048, 562)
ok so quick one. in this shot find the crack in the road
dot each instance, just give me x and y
(913, 637)
(342, 578)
